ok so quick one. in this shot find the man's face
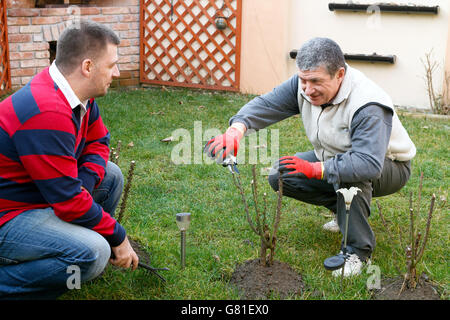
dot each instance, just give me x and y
(319, 86)
(105, 70)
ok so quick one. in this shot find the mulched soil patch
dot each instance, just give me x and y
(254, 281)
(390, 289)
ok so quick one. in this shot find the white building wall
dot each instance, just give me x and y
(271, 28)
(407, 36)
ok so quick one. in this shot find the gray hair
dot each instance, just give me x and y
(87, 40)
(320, 52)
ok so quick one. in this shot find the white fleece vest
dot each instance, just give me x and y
(329, 128)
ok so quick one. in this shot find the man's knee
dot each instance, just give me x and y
(273, 177)
(99, 251)
(86, 250)
(109, 192)
(394, 177)
(115, 173)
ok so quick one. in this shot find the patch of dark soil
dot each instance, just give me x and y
(390, 289)
(254, 281)
(143, 255)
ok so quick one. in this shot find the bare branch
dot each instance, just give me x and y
(267, 240)
(429, 69)
(255, 199)
(237, 183)
(439, 101)
(411, 224)
(425, 238)
(265, 209)
(416, 246)
(409, 274)
(117, 155)
(278, 213)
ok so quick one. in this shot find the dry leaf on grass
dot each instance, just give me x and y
(168, 139)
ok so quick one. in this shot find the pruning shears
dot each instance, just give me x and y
(149, 268)
(153, 270)
(231, 162)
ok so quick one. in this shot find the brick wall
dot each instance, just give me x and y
(31, 30)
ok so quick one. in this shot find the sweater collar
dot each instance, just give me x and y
(345, 89)
(66, 89)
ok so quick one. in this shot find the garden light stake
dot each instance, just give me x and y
(183, 221)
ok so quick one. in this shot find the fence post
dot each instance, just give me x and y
(5, 69)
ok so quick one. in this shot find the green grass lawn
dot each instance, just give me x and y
(219, 236)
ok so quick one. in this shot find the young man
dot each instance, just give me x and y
(358, 140)
(58, 191)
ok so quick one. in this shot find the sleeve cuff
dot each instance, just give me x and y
(328, 174)
(237, 118)
(117, 237)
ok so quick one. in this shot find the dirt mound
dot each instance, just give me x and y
(390, 289)
(254, 281)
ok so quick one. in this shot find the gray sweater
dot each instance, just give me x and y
(371, 128)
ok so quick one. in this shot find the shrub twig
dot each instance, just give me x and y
(123, 203)
(416, 247)
(439, 102)
(267, 237)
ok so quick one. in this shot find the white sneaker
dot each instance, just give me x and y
(331, 226)
(353, 266)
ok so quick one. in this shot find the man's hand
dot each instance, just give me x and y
(226, 143)
(300, 168)
(124, 256)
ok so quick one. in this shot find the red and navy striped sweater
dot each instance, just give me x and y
(47, 155)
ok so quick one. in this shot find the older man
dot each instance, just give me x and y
(58, 191)
(357, 138)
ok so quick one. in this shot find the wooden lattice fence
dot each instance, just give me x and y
(181, 45)
(5, 70)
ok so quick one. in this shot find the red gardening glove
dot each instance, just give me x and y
(300, 168)
(226, 143)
